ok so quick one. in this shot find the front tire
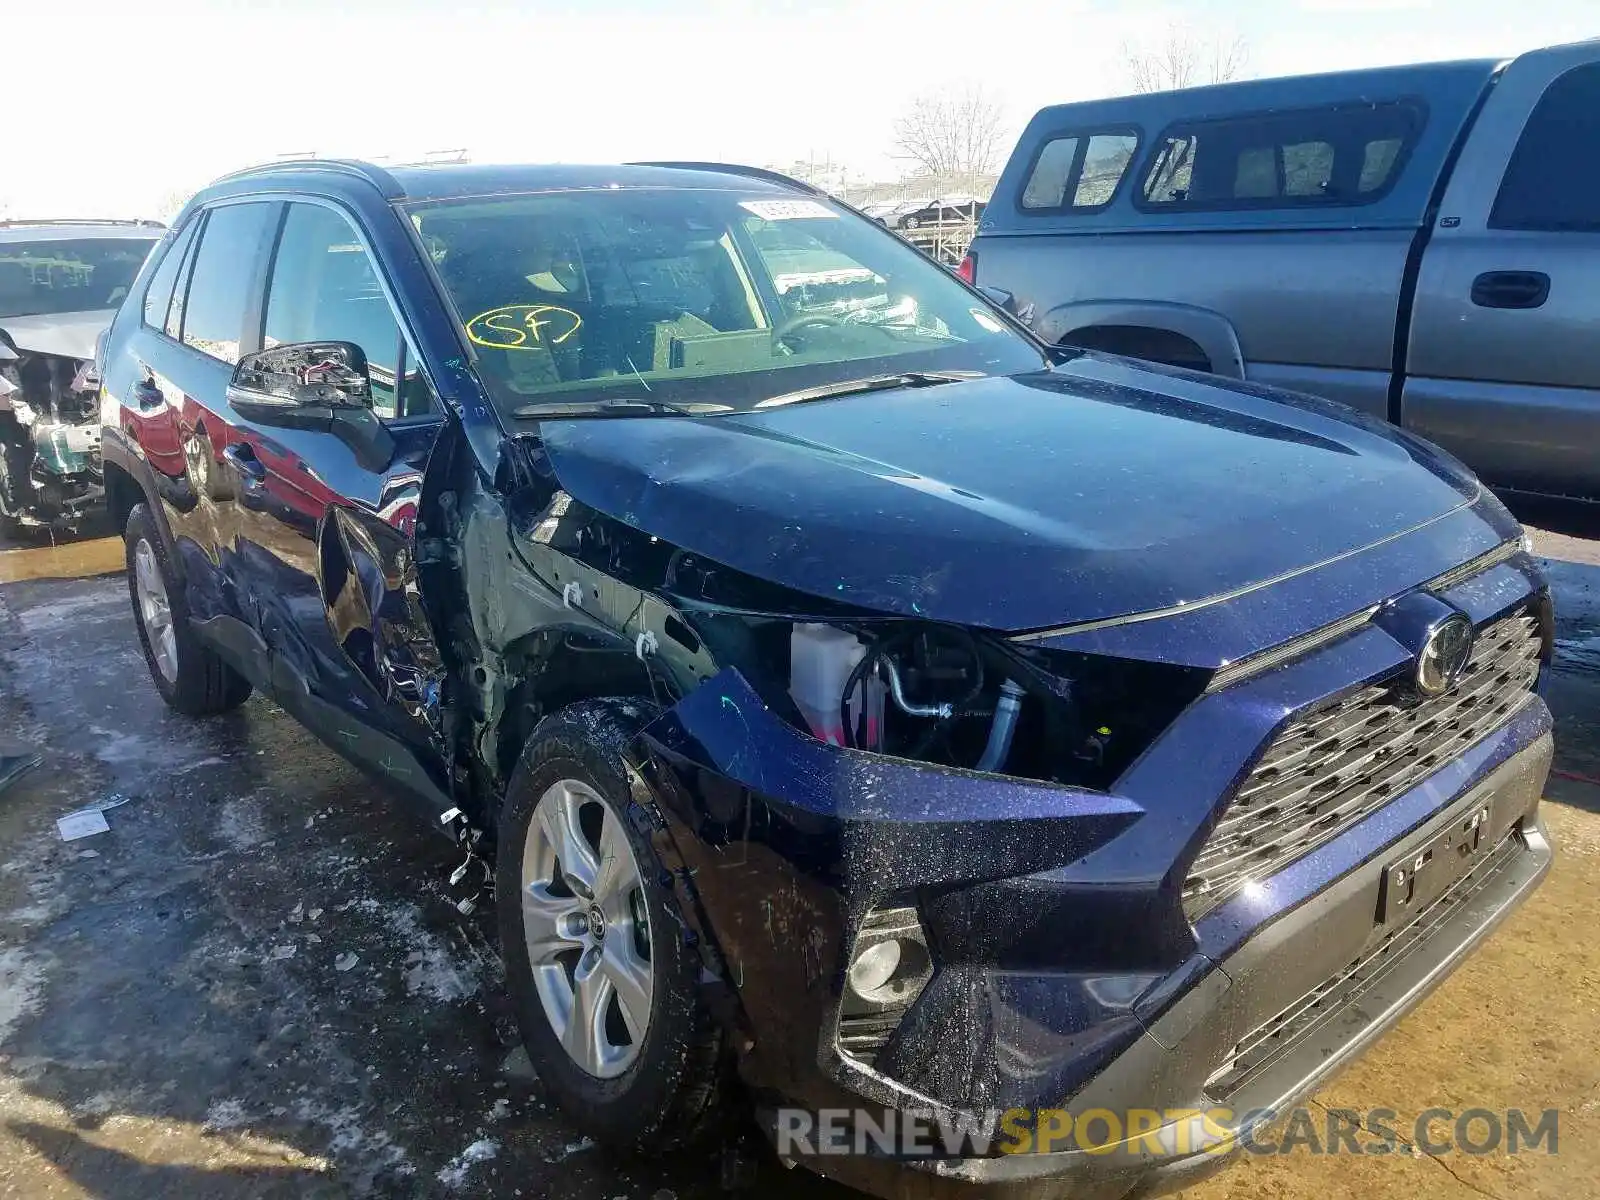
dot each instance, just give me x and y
(191, 677)
(605, 989)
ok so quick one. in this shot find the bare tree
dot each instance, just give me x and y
(1183, 57)
(952, 135)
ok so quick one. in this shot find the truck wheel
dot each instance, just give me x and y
(190, 676)
(606, 991)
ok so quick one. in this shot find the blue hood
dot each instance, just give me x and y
(1096, 490)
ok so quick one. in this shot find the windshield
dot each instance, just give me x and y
(68, 274)
(709, 301)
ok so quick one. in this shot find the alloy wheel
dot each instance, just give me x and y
(155, 611)
(587, 928)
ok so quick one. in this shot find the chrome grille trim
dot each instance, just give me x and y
(1256, 664)
(1332, 767)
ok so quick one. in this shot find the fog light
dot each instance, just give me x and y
(889, 967)
(874, 968)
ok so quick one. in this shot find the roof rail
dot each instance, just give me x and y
(739, 169)
(375, 175)
(143, 222)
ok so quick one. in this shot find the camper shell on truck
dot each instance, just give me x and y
(1421, 243)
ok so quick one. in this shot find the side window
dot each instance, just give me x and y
(1170, 173)
(1308, 168)
(1105, 162)
(1085, 169)
(219, 285)
(324, 289)
(1553, 180)
(158, 296)
(1345, 154)
(180, 287)
(1047, 185)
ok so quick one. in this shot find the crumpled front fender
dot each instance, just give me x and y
(783, 843)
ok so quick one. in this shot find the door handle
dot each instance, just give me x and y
(1511, 289)
(147, 395)
(244, 461)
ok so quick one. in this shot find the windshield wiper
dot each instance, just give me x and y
(871, 383)
(626, 407)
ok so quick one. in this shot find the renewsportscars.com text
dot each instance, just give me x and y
(910, 1134)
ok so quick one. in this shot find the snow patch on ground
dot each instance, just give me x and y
(225, 1114)
(431, 967)
(571, 1148)
(349, 1139)
(70, 611)
(454, 1173)
(242, 824)
(22, 978)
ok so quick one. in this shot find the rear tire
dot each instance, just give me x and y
(661, 1087)
(191, 677)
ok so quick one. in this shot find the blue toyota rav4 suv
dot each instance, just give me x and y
(850, 699)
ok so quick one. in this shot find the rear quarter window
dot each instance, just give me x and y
(1079, 172)
(158, 295)
(1349, 154)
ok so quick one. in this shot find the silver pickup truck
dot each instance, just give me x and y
(1419, 242)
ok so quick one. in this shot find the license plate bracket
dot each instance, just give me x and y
(1411, 882)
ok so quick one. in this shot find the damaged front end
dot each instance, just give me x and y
(60, 285)
(862, 814)
(50, 471)
(934, 866)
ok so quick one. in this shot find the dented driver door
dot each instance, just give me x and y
(327, 521)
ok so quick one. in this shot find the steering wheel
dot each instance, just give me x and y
(795, 324)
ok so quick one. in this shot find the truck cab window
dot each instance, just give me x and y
(1553, 180)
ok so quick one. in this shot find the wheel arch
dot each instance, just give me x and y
(1178, 334)
(129, 482)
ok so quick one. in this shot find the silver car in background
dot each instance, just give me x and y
(60, 285)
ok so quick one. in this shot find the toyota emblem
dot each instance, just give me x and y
(1444, 655)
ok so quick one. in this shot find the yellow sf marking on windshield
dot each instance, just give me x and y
(523, 326)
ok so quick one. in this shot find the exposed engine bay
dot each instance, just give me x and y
(49, 436)
(60, 284)
(638, 616)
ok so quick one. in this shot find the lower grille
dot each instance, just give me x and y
(864, 1035)
(1331, 768)
(1275, 1037)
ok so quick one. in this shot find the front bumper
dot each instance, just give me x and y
(1068, 977)
(1307, 994)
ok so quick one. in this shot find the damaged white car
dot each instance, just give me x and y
(60, 284)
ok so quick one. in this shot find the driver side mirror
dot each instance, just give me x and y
(323, 387)
(303, 375)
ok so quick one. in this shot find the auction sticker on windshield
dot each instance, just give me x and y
(786, 210)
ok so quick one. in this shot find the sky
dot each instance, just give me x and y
(145, 102)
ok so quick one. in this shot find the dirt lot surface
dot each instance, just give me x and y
(253, 985)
